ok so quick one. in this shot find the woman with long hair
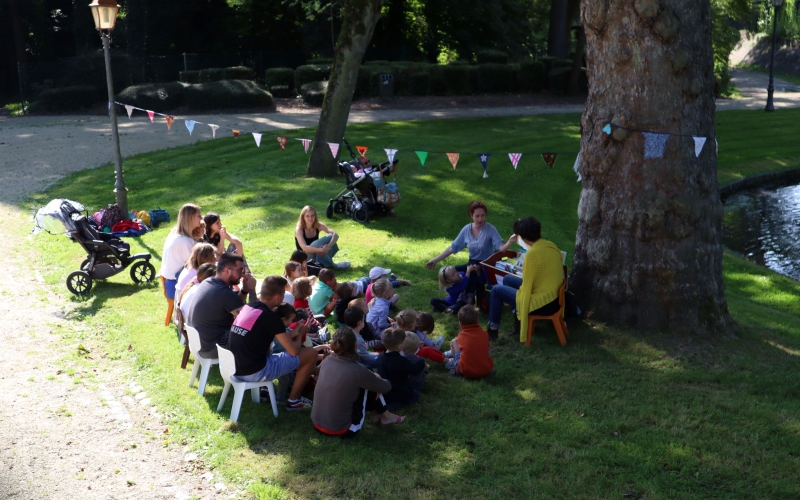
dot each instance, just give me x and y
(217, 235)
(178, 246)
(306, 238)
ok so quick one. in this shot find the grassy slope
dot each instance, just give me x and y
(614, 412)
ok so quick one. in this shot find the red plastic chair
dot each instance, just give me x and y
(558, 319)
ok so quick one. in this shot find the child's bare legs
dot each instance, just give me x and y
(454, 348)
(385, 418)
(395, 298)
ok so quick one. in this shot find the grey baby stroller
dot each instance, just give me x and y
(106, 255)
(359, 198)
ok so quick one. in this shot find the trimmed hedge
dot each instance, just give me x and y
(320, 60)
(495, 78)
(240, 73)
(492, 57)
(227, 94)
(68, 98)
(314, 92)
(189, 76)
(311, 73)
(458, 79)
(558, 80)
(532, 76)
(377, 62)
(278, 77)
(212, 75)
(419, 84)
(155, 96)
(281, 91)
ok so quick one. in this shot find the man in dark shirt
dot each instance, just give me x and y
(215, 304)
(252, 333)
(395, 368)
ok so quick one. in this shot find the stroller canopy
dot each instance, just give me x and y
(55, 216)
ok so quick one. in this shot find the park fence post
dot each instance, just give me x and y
(21, 93)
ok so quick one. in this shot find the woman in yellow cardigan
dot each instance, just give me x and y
(537, 291)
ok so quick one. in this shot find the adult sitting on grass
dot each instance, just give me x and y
(306, 238)
(479, 237)
(215, 304)
(252, 333)
(537, 291)
(217, 235)
(346, 390)
(178, 246)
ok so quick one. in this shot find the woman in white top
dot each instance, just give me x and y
(178, 246)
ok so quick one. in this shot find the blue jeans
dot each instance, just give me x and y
(326, 259)
(503, 294)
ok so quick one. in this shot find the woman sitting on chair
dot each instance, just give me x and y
(537, 291)
(306, 238)
(178, 246)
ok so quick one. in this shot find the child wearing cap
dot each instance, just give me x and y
(377, 273)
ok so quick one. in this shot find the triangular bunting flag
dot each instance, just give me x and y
(484, 158)
(189, 125)
(362, 150)
(257, 137)
(699, 142)
(213, 130)
(453, 157)
(306, 143)
(169, 119)
(607, 129)
(281, 142)
(129, 109)
(577, 164)
(716, 143)
(334, 148)
(151, 114)
(109, 105)
(235, 133)
(514, 157)
(390, 154)
(422, 155)
(654, 144)
(550, 158)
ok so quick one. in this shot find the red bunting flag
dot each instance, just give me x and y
(281, 141)
(169, 119)
(235, 133)
(362, 150)
(549, 158)
(151, 114)
(453, 157)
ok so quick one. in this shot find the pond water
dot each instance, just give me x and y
(764, 226)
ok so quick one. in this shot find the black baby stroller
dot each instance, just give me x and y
(359, 198)
(106, 255)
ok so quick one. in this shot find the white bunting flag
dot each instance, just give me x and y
(306, 144)
(390, 154)
(189, 125)
(699, 142)
(257, 137)
(514, 157)
(129, 109)
(577, 164)
(213, 130)
(717, 146)
(334, 148)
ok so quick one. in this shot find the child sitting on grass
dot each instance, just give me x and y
(354, 318)
(323, 298)
(460, 288)
(369, 333)
(410, 352)
(470, 349)
(393, 367)
(379, 307)
(407, 320)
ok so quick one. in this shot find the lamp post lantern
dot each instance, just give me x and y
(105, 17)
(771, 88)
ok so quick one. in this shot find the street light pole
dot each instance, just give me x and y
(120, 191)
(771, 88)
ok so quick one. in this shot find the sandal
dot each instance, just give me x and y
(400, 420)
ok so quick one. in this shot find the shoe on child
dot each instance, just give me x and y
(450, 365)
(343, 265)
(448, 353)
(437, 344)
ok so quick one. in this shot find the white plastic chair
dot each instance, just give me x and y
(227, 367)
(194, 348)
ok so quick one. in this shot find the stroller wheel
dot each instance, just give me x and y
(339, 207)
(142, 272)
(79, 282)
(361, 215)
(329, 210)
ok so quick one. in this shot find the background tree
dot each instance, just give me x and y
(648, 250)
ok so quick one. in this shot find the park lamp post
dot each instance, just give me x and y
(771, 88)
(105, 17)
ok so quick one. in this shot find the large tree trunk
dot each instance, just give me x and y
(559, 34)
(358, 25)
(648, 250)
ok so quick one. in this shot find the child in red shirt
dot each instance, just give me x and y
(470, 348)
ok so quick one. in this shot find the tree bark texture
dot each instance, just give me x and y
(358, 25)
(648, 250)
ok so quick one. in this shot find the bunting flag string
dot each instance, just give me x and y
(390, 154)
(453, 157)
(422, 155)
(189, 125)
(257, 137)
(514, 157)
(654, 144)
(213, 130)
(362, 150)
(550, 158)
(484, 158)
(699, 142)
(281, 142)
(152, 115)
(129, 109)
(169, 119)
(306, 144)
(334, 148)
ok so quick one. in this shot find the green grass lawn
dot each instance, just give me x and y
(614, 413)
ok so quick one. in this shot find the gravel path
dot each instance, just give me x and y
(66, 440)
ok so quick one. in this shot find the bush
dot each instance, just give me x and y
(532, 77)
(279, 76)
(311, 73)
(212, 75)
(189, 76)
(438, 84)
(377, 63)
(314, 92)
(558, 80)
(154, 96)
(419, 84)
(362, 82)
(227, 94)
(459, 62)
(492, 57)
(458, 79)
(320, 60)
(281, 91)
(68, 98)
(240, 73)
(495, 78)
